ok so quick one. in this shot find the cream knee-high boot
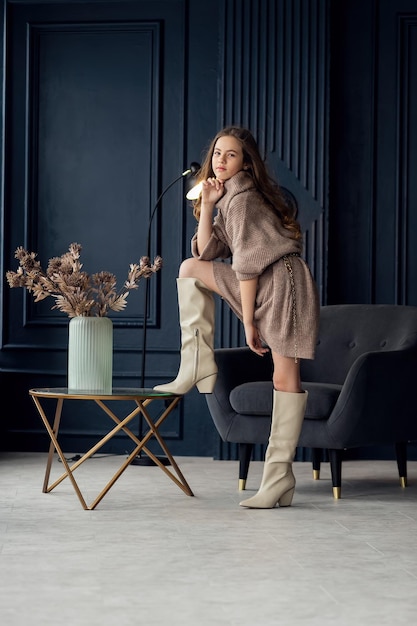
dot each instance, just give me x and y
(278, 481)
(198, 366)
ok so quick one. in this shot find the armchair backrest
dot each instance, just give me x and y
(349, 330)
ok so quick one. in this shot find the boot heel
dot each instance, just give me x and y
(286, 498)
(206, 385)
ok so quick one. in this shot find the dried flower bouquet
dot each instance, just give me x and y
(76, 292)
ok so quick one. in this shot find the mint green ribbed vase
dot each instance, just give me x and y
(90, 355)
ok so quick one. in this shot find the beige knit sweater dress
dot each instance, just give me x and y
(246, 230)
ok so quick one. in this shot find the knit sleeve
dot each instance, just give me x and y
(214, 249)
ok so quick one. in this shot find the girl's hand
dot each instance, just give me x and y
(253, 340)
(212, 190)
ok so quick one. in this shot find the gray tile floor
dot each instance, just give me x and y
(150, 555)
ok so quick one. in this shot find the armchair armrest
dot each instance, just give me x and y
(377, 402)
(240, 365)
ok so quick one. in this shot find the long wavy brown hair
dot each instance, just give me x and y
(264, 183)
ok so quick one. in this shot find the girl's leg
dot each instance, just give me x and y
(289, 403)
(203, 270)
(286, 376)
(198, 367)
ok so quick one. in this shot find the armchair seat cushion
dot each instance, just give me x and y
(252, 398)
(255, 398)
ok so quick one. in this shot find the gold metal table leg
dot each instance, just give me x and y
(55, 443)
(154, 430)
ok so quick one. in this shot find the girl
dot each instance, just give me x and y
(268, 285)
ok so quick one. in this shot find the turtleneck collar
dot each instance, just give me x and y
(239, 182)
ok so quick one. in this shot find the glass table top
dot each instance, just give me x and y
(117, 392)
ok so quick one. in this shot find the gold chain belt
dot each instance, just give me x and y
(288, 265)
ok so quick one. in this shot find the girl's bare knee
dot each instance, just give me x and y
(202, 270)
(187, 269)
(289, 385)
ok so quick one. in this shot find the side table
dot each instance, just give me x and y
(142, 398)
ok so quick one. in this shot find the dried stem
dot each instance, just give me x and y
(74, 291)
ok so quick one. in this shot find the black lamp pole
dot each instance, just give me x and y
(194, 168)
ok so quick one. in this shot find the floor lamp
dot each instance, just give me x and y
(193, 169)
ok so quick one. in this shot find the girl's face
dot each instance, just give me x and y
(227, 159)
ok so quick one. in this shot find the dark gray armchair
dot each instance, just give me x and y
(361, 388)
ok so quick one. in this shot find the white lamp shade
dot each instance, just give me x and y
(194, 192)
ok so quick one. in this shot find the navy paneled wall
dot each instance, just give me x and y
(395, 203)
(95, 118)
(105, 103)
(373, 188)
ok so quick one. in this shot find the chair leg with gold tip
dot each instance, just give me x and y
(245, 455)
(336, 469)
(401, 454)
(316, 462)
